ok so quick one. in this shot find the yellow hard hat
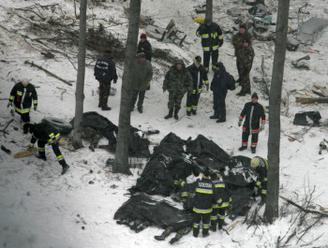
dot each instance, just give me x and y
(199, 19)
(255, 162)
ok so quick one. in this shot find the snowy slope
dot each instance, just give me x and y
(39, 208)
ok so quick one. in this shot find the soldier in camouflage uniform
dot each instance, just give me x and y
(244, 54)
(177, 82)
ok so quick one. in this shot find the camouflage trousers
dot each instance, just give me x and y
(175, 99)
(243, 70)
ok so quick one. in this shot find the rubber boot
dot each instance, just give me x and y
(188, 113)
(140, 109)
(169, 115)
(253, 150)
(195, 232)
(194, 112)
(205, 233)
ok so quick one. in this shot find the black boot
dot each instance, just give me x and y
(188, 113)
(65, 169)
(25, 128)
(176, 116)
(220, 224)
(213, 227)
(140, 109)
(195, 232)
(105, 108)
(241, 93)
(170, 114)
(253, 149)
(205, 233)
(214, 116)
(194, 112)
(221, 119)
(242, 148)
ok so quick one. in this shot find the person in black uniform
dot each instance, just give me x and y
(212, 38)
(223, 202)
(202, 204)
(254, 116)
(144, 46)
(219, 86)
(45, 134)
(199, 78)
(261, 166)
(23, 95)
(105, 72)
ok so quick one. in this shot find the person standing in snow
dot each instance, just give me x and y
(254, 116)
(177, 82)
(203, 204)
(144, 46)
(105, 73)
(260, 166)
(22, 96)
(222, 81)
(212, 38)
(242, 42)
(45, 134)
(223, 201)
(142, 74)
(199, 78)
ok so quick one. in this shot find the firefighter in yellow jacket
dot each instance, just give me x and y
(23, 95)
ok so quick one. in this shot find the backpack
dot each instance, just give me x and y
(231, 83)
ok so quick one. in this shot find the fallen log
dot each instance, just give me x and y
(48, 72)
(310, 100)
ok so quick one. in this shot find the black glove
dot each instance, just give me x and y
(115, 81)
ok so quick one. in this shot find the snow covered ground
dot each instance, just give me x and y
(39, 208)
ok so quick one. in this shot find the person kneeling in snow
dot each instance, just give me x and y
(45, 134)
(260, 166)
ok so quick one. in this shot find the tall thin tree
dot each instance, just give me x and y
(209, 10)
(121, 164)
(79, 92)
(272, 206)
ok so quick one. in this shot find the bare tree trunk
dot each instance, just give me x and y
(272, 206)
(122, 149)
(79, 93)
(209, 10)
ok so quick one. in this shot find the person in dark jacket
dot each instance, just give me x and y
(212, 38)
(105, 73)
(219, 86)
(261, 166)
(254, 116)
(199, 78)
(177, 82)
(144, 46)
(223, 202)
(203, 203)
(237, 41)
(45, 134)
(142, 74)
(23, 95)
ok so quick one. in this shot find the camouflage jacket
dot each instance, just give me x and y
(246, 56)
(238, 40)
(178, 81)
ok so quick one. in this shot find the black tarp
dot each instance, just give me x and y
(175, 159)
(95, 126)
(309, 118)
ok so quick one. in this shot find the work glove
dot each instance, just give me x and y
(262, 127)
(30, 146)
(239, 123)
(10, 104)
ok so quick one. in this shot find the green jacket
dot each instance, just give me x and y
(142, 75)
(178, 82)
(238, 40)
